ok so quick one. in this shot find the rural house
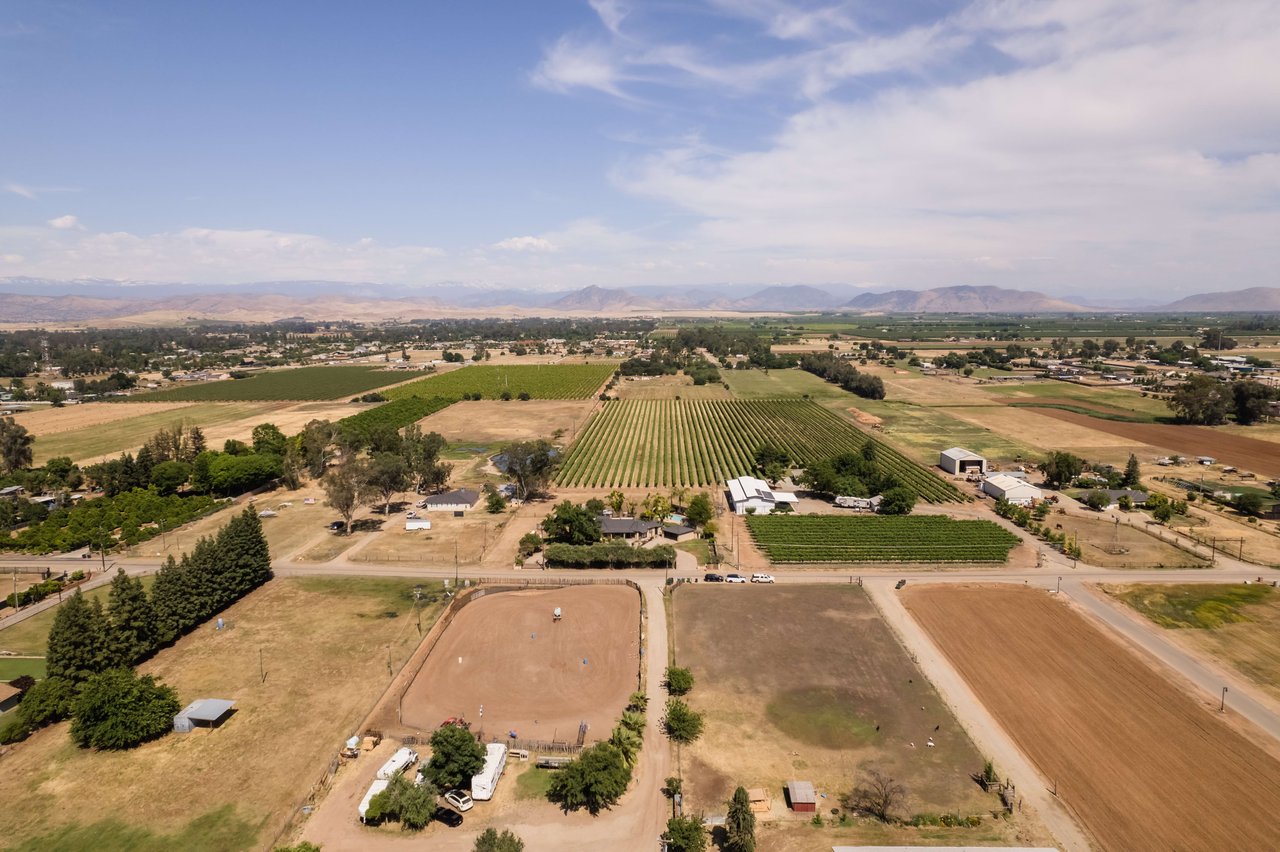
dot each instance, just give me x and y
(458, 500)
(678, 532)
(628, 529)
(1137, 498)
(959, 461)
(750, 495)
(1004, 487)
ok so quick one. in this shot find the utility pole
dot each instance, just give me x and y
(1222, 708)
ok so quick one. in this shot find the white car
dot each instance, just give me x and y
(762, 578)
(734, 578)
(460, 800)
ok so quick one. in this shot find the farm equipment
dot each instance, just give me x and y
(556, 614)
(456, 722)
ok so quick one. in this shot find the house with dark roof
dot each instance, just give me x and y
(457, 500)
(628, 529)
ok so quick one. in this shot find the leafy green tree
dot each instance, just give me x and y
(131, 619)
(315, 443)
(1162, 512)
(1132, 473)
(594, 780)
(15, 446)
(616, 500)
(530, 465)
(700, 510)
(1251, 401)
(681, 722)
(1061, 468)
(740, 824)
(491, 841)
(570, 524)
(50, 700)
(897, 501)
(685, 834)
(117, 709)
(679, 681)
(304, 846)
(455, 757)
(267, 438)
(495, 503)
(388, 475)
(1247, 503)
(1201, 399)
(346, 488)
(78, 641)
(169, 476)
(1097, 500)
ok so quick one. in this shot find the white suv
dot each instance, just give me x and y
(460, 800)
(734, 578)
(762, 578)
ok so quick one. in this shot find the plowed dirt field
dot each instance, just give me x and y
(1141, 764)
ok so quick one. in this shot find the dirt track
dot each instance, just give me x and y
(1141, 764)
(1245, 453)
(528, 672)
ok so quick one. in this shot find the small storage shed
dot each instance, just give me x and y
(761, 802)
(679, 532)
(801, 797)
(202, 713)
(1008, 488)
(9, 697)
(959, 461)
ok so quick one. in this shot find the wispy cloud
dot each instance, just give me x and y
(32, 193)
(525, 244)
(66, 223)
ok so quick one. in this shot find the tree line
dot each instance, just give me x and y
(92, 649)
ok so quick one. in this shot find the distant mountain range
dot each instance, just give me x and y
(25, 301)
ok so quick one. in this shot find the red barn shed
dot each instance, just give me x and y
(801, 797)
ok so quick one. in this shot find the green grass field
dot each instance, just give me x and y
(905, 538)
(646, 443)
(1130, 402)
(11, 667)
(1195, 605)
(30, 636)
(923, 431)
(540, 381)
(302, 384)
(775, 384)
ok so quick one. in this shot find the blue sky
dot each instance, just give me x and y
(1088, 147)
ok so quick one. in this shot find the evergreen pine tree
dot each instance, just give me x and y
(1132, 474)
(78, 644)
(205, 583)
(132, 621)
(169, 601)
(246, 561)
(740, 824)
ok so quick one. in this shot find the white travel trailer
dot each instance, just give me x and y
(374, 789)
(495, 761)
(397, 763)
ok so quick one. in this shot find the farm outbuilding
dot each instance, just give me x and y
(679, 532)
(801, 797)
(959, 461)
(1012, 489)
(202, 713)
(458, 500)
(749, 495)
(9, 697)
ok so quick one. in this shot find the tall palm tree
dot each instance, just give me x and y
(628, 744)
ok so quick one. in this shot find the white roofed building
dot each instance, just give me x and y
(959, 461)
(1004, 487)
(748, 495)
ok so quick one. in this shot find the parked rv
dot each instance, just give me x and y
(375, 788)
(397, 763)
(484, 782)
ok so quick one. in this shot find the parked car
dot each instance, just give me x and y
(900, 584)
(460, 800)
(453, 819)
(735, 578)
(762, 578)
(336, 525)
(712, 578)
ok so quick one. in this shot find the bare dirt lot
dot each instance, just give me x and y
(1245, 453)
(325, 645)
(533, 676)
(496, 422)
(1140, 763)
(1109, 545)
(808, 682)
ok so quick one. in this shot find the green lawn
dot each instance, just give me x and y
(12, 667)
(1195, 605)
(533, 783)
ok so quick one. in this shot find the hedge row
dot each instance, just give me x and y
(610, 554)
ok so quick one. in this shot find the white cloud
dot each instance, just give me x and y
(572, 64)
(65, 223)
(611, 12)
(19, 189)
(525, 244)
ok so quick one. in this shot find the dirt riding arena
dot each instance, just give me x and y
(1140, 763)
(533, 676)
